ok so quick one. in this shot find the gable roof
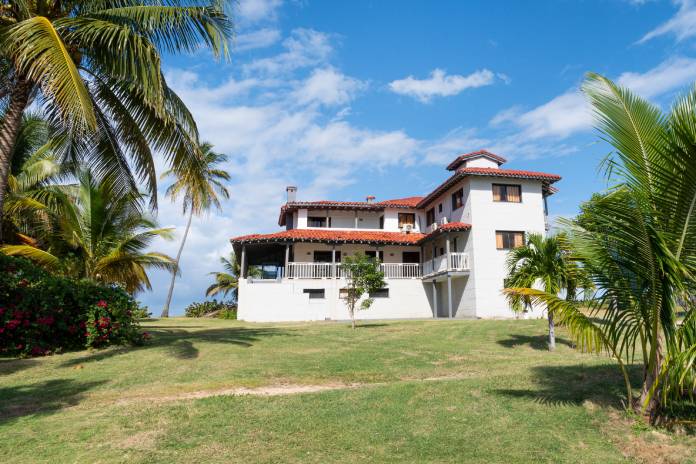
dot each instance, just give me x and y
(461, 159)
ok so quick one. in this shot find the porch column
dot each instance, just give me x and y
(287, 259)
(434, 299)
(447, 250)
(333, 261)
(243, 263)
(449, 295)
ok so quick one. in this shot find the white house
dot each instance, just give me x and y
(443, 255)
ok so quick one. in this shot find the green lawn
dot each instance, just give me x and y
(421, 391)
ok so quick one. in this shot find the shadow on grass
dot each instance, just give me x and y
(41, 398)
(573, 385)
(10, 366)
(368, 325)
(537, 342)
(181, 343)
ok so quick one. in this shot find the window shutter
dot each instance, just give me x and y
(513, 193)
(497, 196)
(499, 240)
(519, 239)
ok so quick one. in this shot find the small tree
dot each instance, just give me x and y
(363, 276)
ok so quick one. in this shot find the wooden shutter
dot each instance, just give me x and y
(519, 239)
(497, 194)
(514, 194)
(499, 240)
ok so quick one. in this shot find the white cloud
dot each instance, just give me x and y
(252, 11)
(304, 48)
(439, 84)
(260, 38)
(682, 25)
(570, 113)
(329, 87)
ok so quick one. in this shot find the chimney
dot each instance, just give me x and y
(370, 199)
(292, 193)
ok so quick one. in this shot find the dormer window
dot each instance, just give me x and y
(507, 193)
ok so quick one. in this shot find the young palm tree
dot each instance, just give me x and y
(97, 231)
(541, 261)
(200, 191)
(94, 67)
(227, 281)
(638, 244)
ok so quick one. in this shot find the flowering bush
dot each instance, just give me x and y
(41, 313)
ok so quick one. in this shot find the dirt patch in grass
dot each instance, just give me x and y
(649, 446)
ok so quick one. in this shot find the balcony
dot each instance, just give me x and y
(336, 271)
(457, 262)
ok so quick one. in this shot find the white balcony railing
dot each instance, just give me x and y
(328, 271)
(457, 262)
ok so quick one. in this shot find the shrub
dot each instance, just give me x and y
(41, 313)
(213, 308)
(141, 312)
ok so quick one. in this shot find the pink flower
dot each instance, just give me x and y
(101, 304)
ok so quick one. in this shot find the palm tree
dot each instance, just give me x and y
(34, 165)
(638, 244)
(94, 66)
(97, 231)
(200, 191)
(541, 261)
(227, 281)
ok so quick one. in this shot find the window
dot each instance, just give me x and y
(381, 222)
(381, 293)
(430, 216)
(439, 208)
(407, 219)
(410, 257)
(315, 293)
(325, 256)
(507, 240)
(317, 221)
(457, 199)
(442, 251)
(379, 255)
(455, 245)
(507, 193)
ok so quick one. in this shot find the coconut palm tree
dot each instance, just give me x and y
(95, 230)
(199, 191)
(94, 66)
(227, 281)
(34, 165)
(541, 261)
(638, 244)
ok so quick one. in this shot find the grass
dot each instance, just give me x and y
(423, 391)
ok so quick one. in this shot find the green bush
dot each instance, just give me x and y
(212, 308)
(141, 312)
(41, 313)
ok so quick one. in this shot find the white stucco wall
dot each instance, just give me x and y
(488, 263)
(285, 301)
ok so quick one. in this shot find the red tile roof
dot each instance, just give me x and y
(461, 173)
(348, 236)
(408, 202)
(459, 160)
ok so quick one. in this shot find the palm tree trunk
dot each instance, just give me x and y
(165, 310)
(649, 402)
(9, 128)
(552, 333)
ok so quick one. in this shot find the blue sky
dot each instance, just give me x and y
(347, 99)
